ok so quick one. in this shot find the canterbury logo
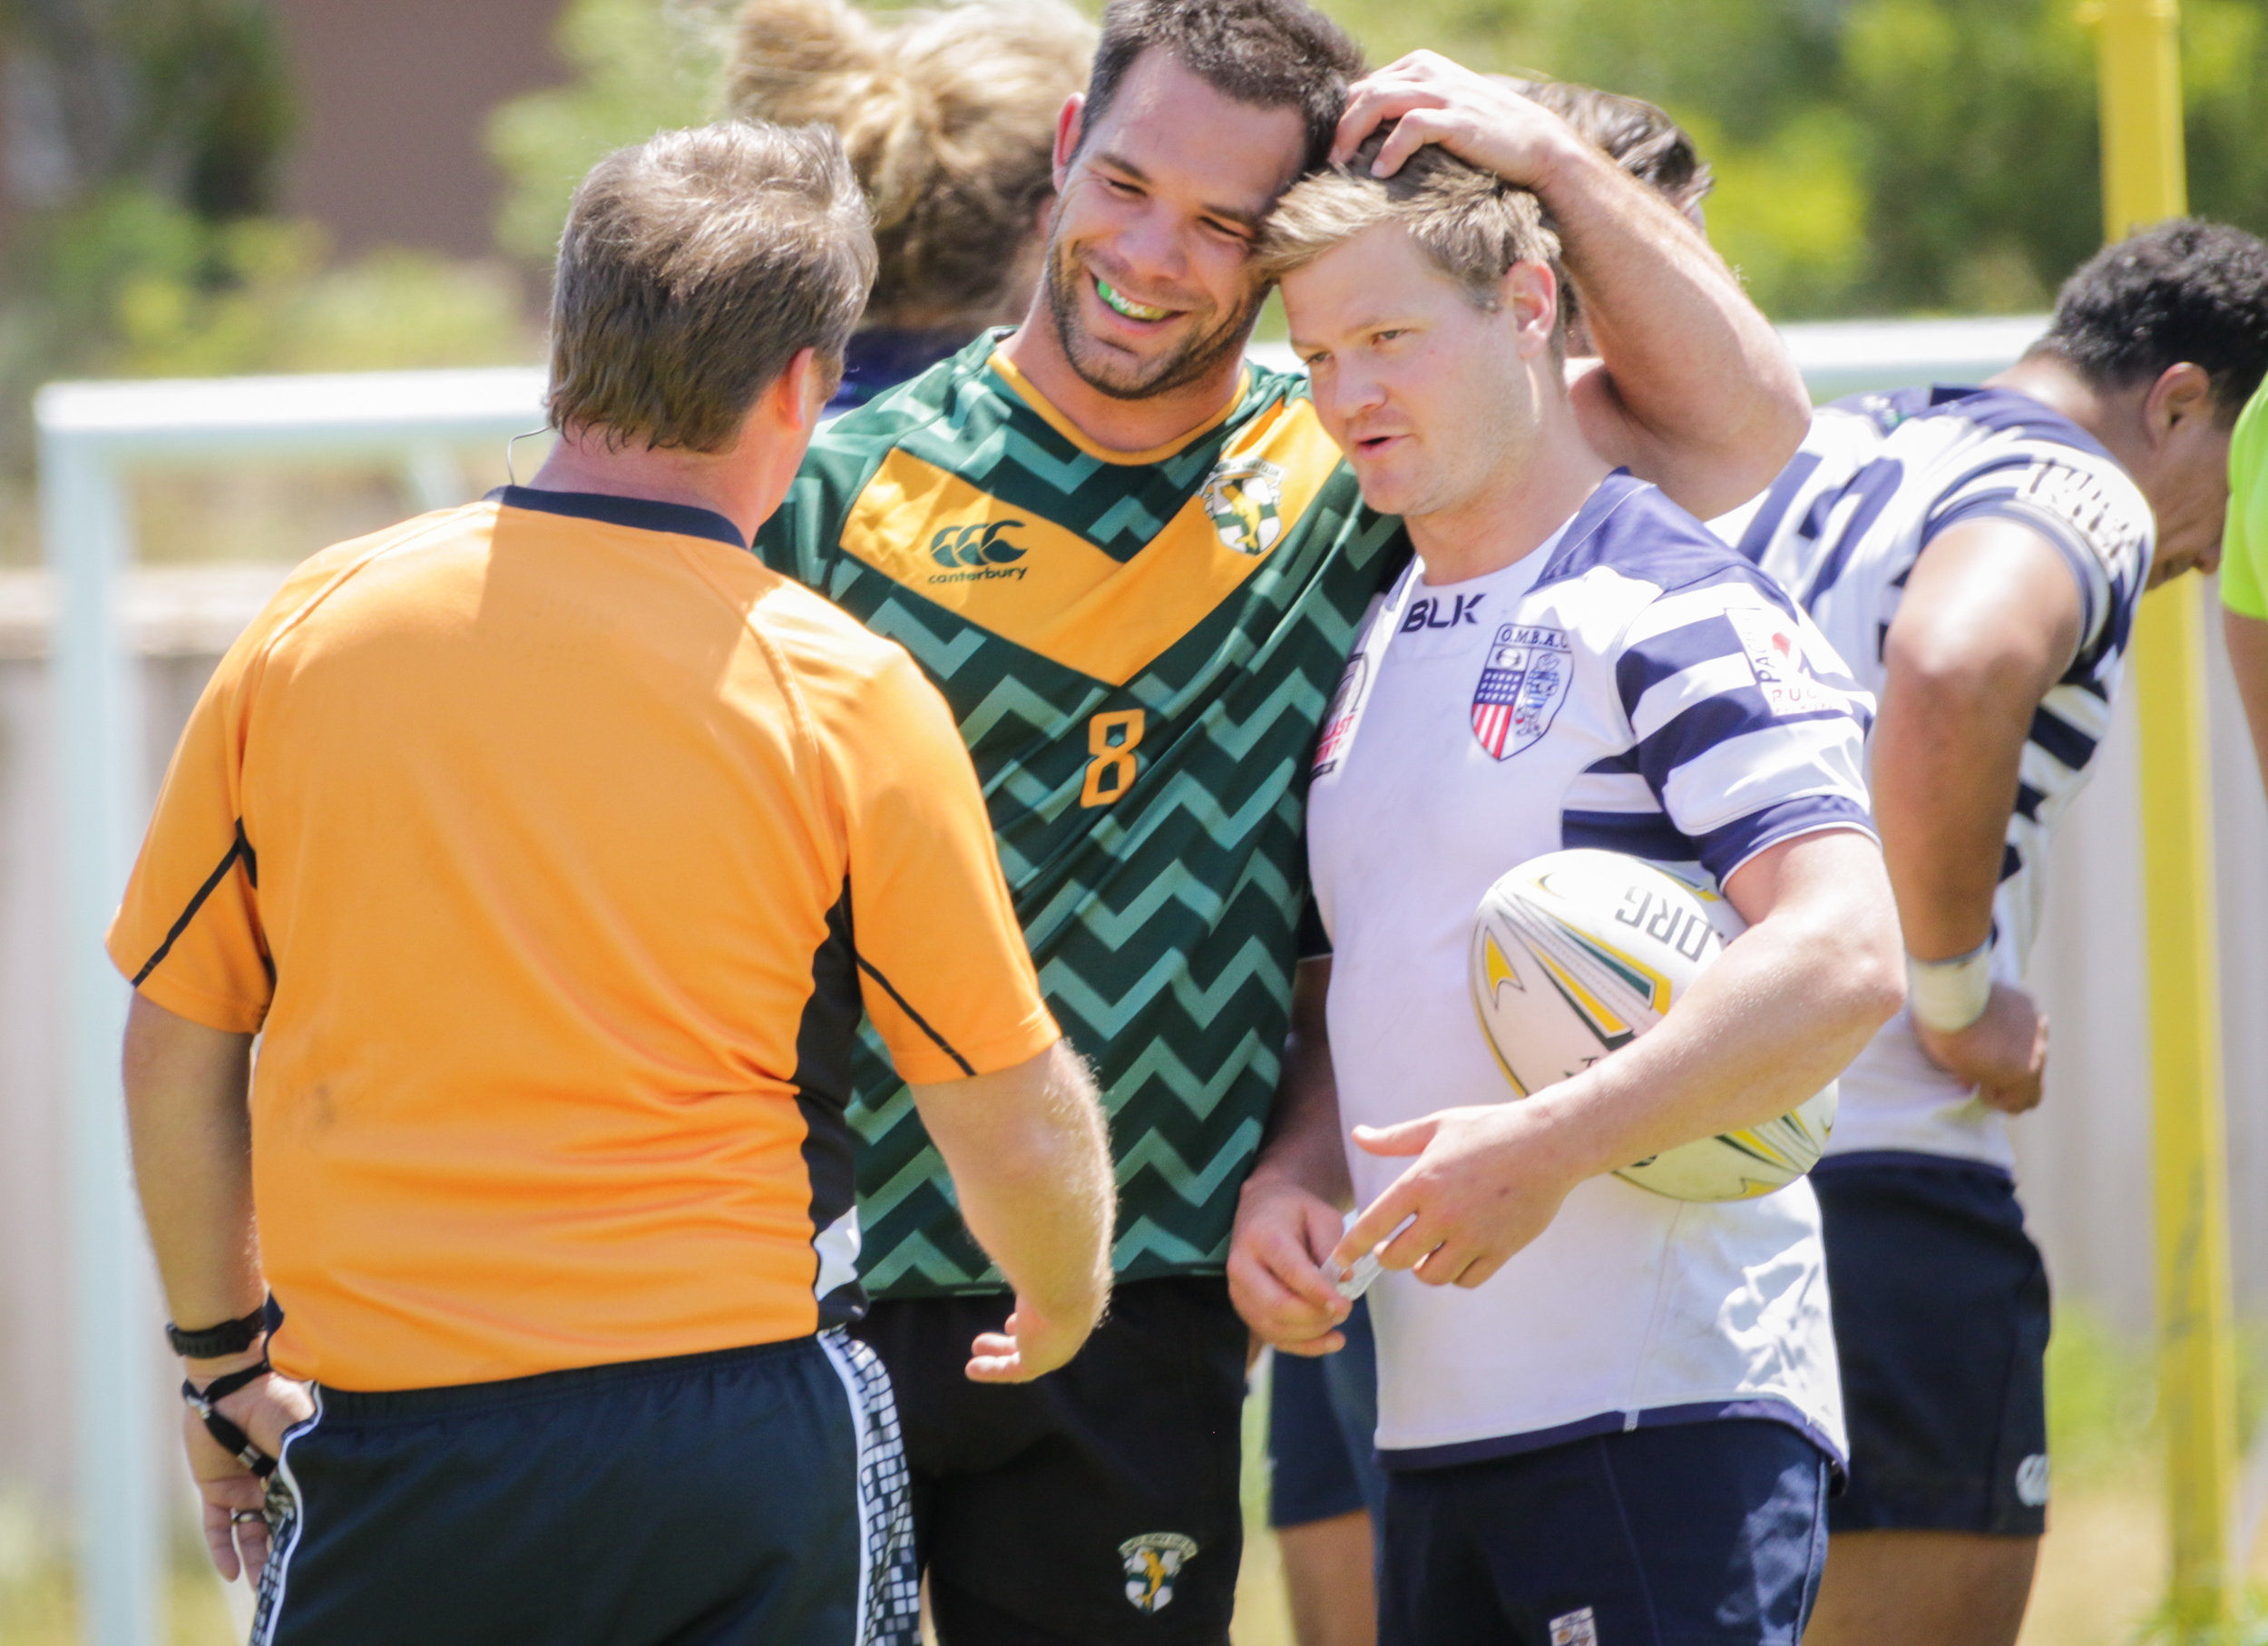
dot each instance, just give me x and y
(975, 546)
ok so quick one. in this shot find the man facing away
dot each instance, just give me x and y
(1978, 556)
(1134, 566)
(1605, 1415)
(555, 846)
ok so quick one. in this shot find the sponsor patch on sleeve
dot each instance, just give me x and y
(1775, 656)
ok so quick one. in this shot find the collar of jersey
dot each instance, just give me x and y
(639, 513)
(1021, 385)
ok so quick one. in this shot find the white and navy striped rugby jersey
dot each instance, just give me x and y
(1632, 685)
(1879, 478)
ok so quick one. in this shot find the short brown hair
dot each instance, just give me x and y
(1471, 223)
(692, 269)
(949, 120)
(1639, 137)
(1268, 54)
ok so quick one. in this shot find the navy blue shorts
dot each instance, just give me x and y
(1322, 1418)
(1692, 1534)
(751, 1497)
(1940, 1310)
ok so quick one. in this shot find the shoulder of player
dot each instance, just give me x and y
(1632, 530)
(860, 437)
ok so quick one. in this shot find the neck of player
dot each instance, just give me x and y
(744, 482)
(1143, 425)
(1514, 506)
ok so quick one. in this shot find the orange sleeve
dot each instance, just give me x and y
(189, 935)
(948, 980)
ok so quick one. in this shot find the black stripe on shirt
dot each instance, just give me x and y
(920, 1021)
(241, 849)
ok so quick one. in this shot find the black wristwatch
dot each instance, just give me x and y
(228, 1337)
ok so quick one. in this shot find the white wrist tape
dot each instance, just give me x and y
(1947, 995)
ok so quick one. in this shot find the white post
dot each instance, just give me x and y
(97, 745)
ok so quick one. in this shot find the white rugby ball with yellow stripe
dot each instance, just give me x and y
(1577, 954)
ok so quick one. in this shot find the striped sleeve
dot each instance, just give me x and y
(2081, 502)
(1747, 728)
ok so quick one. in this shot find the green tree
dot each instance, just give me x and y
(1872, 156)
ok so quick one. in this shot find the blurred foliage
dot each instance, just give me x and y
(640, 66)
(1872, 156)
(142, 241)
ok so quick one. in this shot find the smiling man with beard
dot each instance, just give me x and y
(1134, 565)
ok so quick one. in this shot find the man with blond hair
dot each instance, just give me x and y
(1606, 1414)
(555, 847)
(1133, 564)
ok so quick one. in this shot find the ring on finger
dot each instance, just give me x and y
(237, 1517)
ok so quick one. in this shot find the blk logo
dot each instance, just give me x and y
(975, 546)
(1433, 613)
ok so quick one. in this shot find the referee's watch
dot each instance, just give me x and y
(228, 1337)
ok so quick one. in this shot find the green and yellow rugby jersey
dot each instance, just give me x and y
(1138, 648)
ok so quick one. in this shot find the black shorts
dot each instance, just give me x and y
(1096, 1505)
(1941, 1310)
(1691, 1534)
(751, 1497)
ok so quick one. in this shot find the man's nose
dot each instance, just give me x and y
(1151, 246)
(1354, 392)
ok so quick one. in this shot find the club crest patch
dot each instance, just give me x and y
(1152, 1562)
(1338, 721)
(1243, 497)
(1578, 1628)
(1775, 656)
(1521, 687)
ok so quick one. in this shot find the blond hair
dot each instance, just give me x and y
(693, 268)
(1472, 225)
(949, 118)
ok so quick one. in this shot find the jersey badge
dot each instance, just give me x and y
(1338, 721)
(1521, 687)
(1244, 497)
(1153, 1560)
(1775, 656)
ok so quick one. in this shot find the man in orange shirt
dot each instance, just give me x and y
(555, 846)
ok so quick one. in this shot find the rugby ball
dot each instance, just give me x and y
(1577, 954)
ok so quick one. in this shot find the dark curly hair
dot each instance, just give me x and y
(1635, 134)
(2181, 290)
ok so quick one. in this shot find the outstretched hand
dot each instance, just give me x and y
(1030, 1344)
(1479, 119)
(1487, 1181)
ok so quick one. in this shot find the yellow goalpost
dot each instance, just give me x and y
(2145, 180)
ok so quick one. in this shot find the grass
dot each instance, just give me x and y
(2102, 1570)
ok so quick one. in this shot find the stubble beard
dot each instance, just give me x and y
(1197, 359)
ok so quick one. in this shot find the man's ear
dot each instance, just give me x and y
(2182, 395)
(1531, 292)
(801, 391)
(1069, 126)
